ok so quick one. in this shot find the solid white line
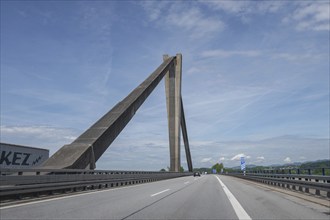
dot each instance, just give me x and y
(240, 212)
(159, 192)
(65, 197)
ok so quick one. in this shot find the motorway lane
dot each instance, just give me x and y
(180, 198)
(115, 203)
(203, 199)
(264, 203)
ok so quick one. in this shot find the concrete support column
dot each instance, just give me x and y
(173, 101)
(185, 139)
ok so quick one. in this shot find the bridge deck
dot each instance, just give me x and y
(180, 198)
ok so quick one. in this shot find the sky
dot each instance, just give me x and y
(255, 77)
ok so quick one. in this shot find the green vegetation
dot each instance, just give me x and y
(163, 170)
(218, 167)
(230, 170)
(203, 170)
(314, 166)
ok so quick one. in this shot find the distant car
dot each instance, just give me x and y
(197, 174)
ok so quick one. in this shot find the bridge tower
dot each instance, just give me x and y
(83, 152)
(174, 110)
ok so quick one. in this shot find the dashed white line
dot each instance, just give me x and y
(66, 197)
(186, 182)
(159, 192)
(239, 210)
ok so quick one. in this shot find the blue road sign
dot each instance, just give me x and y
(242, 163)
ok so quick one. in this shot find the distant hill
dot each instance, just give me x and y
(305, 165)
(296, 165)
(247, 166)
(203, 170)
(314, 165)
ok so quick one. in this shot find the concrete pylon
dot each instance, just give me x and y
(83, 152)
(173, 100)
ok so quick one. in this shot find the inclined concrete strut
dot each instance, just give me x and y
(185, 138)
(83, 152)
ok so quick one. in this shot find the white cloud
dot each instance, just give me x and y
(38, 136)
(186, 17)
(98, 20)
(228, 6)
(219, 53)
(311, 16)
(242, 8)
(226, 53)
(269, 6)
(154, 10)
(194, 21)
(258, 150)
(38, 131)
(259, 159)
(287, 160)
(222, 159)
(205, 160)
(193, 70)
(298, 57)
(238, 157)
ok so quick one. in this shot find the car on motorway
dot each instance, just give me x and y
(197, 174)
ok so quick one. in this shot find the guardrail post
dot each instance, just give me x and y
(317, 192)
(306, 189)
(288, 185)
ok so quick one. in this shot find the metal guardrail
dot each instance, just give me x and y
(320, 184)
(324, 171)
(18, 183)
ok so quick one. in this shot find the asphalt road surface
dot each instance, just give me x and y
(205, 197)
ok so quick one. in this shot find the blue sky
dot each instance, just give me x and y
(255, 77)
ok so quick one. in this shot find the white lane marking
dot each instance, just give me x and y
(159, 192)
(240, 212)
(65, 197)
(186, 182)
